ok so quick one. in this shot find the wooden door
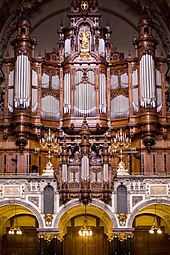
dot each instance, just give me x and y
(97, 244)
(25, 244)
(150, 244)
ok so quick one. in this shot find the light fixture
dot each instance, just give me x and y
(121, 140)
(155, 228)
(49, 141)
(85, 231)
(15, 229)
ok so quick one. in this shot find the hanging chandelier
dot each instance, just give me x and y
(15, 229)
(85, 231)
(155, 227)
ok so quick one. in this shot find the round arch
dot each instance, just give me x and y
(27, 206)
(96, 208)
(142, 206)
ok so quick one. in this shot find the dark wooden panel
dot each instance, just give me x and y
(148, 244)
(25, 244)
(95, 245)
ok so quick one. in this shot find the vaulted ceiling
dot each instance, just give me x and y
(40, 11)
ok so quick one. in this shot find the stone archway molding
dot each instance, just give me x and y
(27, 206)
(143, 205)
(105, 210)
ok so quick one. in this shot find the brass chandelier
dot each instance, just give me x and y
(155, 226)
(15, 229)
(85, 231)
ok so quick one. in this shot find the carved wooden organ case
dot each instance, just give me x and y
(84, 91)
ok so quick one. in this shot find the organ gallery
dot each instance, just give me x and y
(84, 139)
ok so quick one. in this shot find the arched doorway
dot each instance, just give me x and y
(146, 242)
(96, 244)
(98, 221)
(18, 231)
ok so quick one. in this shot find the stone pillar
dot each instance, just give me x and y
(121, 243)
(113, 246)
(50, 241)
(59, 247)
(130, 245)
(42, 245)
(55, 245)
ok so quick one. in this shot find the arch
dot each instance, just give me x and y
(74, 208)
(27, 206)
(143, 205)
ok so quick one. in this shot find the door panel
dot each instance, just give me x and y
(97, 244)
(150, 244)
(25, 244)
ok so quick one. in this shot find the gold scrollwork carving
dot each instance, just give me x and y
(60, 236)
(48, 237)
(110, 236)
(48, 219)
(122, 219)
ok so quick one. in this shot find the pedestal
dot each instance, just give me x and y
(48, 171)
(121, 169)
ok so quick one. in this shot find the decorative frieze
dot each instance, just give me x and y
(136, 200)
(12, 191)
(157, 189)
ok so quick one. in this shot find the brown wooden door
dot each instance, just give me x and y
(25, 244)
(150, 244)
(94, 245)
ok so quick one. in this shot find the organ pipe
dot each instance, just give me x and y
(147, 81)
(67, 91)
(84, 96)
(102, 93)
(105, 173)
(85, 168)
(64, 172)
(22, 81)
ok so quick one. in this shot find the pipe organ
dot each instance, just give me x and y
(10, 91)
(135, 91)
(85, 95)
(102, 91)
(84, 91)
(67, 93)
(34, 90)
(22, 81)
(147, 81)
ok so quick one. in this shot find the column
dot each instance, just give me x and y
(115, 245)
(55, 246)
(59, 245)
(130, 245)
(42, 245)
